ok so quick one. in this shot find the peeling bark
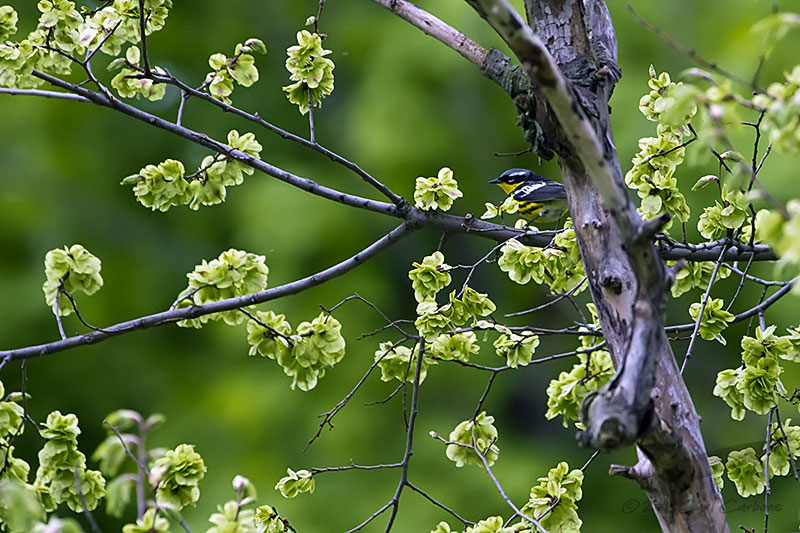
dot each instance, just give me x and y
(571, 59)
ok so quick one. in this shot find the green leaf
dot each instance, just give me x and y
(717, 469)
(295, 483)
(177, 475)
(554, 499)
(705, 180)
(470, 437)
(458, 346)
(399, 362)
(244, 71)
(268, 521)
(21, 508)
(77, 269)
(726, 388)
(8, 22)
(522, 263)
(132, 55)
(217, 61)
(715, 319)
(429, 277)
(746, 472)
(566, 393)
(111, 454)
(518, 350)
(436, 192)
(149, 523)
(118, 495)
(234, 273)
(256, 45)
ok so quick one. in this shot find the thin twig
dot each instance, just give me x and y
(472, 267)
(356, 296)
(785, 440)
(97, 48)
(767, 489)
(438, 504)
(273, 331)
(589, 461)
(755, 279)
(763, 305)
(78, 313)
(394, 501)
(319, 14)
(555, 300)
(494, 479)
(744, 276)
(60, 325)
(140, 461)
(759, 310)
(485, 393)
(186, 313)
(45, 94)
(86, 511)
(181, 105)
(312, 136)
(684, 144)
(655, 30)
(128, 451)
(391, 395)
(513, 154)
(142, 29)
(254, 117)
(183, 523)
(412, 418)
(142, 472)
(328, 416)
(702, 310)
(757, 127)
(353, 466)
(371, 517)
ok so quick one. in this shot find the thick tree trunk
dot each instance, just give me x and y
(566, 112)
(673, 467)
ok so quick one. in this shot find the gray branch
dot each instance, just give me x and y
(646, 402)
(415, 217)
(187, 313)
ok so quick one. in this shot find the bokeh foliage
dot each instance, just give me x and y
(404, 106)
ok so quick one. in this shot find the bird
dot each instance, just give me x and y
(540, 199)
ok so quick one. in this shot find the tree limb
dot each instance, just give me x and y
(186, 313)
(453, 224)
(628, 280)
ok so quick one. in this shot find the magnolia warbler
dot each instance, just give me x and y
(540, 199)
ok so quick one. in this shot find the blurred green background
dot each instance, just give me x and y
(404, 106)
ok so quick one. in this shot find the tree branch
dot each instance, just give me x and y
(438, 29)
(206, 141)
(175, 315)
(45, 94)
(187, 91)
(142, 40)
(628, 280)
(493, 64)
(450, 223)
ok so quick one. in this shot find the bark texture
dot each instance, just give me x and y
(568, 48)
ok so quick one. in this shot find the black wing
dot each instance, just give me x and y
(540, 192)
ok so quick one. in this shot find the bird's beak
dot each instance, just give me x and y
(496, 180)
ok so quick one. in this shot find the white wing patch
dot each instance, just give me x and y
(528, 189)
